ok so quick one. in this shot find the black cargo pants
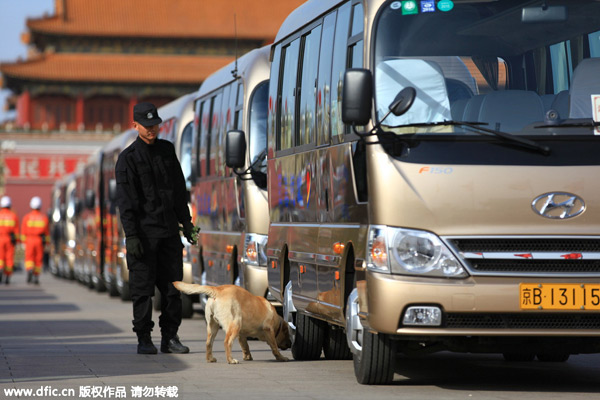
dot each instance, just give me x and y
(161, 264)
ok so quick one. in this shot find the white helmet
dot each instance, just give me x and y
(5, 202)
(35, 203)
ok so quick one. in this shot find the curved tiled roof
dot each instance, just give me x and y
(116, 68)
(256, 19)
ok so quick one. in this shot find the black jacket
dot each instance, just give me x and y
(151, 191)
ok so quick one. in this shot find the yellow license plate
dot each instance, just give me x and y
(559, 296)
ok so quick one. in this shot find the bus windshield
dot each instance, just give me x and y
(258, 126)
(508, 66)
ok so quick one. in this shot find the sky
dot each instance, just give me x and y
(13, 14)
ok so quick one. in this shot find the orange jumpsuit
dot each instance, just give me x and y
(34, 232)
(9, 231)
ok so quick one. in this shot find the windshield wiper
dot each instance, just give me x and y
(570, 124)
(476, 127)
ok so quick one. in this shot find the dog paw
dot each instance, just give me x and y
(248, 358)
(282, 358)
(211, 360)
(233, 361)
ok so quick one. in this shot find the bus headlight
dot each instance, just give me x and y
(254, 249)
(411, 252)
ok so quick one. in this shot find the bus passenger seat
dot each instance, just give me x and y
(561, 104)
(511, 110)
(585, 83)
(457, 109)
(471, 113)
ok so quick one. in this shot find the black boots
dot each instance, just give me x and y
(145, 345)
(173, 345)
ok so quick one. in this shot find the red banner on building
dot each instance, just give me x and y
(28, 167)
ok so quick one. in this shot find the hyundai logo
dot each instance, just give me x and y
(558, 205)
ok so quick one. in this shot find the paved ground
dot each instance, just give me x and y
(62, 336)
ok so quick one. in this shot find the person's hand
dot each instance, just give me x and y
(134, 246)
(191, 233)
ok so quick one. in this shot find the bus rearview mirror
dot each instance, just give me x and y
(356, 96)
(546, 13)
(235, 149)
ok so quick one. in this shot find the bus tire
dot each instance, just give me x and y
(308, 342)
(335, 346)
(373, 354)
(374, 365)
(125, 294)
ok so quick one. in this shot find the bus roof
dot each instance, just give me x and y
(176, 107)
(121, 141)
(225, 75)
(303, 15)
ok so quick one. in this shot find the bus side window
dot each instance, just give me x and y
(324, 81)
(213, 134)
(196, 165)
(340, 48)
(185, 151)
(288, 95)
(594, 40)
(562, 67)
(238, 100)
(307, 90)
(273, 121)
(204, 138)
(225, 123)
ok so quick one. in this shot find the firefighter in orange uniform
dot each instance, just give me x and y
(34, 233)
(9, 232)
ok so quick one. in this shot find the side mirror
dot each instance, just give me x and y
(112, 190)
(90, 198)
(403, 101)
(356, 96)
(235, 149)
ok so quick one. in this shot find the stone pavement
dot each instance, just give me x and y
(61, 335)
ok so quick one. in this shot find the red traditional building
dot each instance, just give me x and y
(91, 61)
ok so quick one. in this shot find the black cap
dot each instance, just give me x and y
(146, 114)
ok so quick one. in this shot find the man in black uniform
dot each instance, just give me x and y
(152, 201)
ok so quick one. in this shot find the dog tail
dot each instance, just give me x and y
(190, 288)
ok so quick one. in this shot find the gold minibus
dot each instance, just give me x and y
(230, 204)
(432, 179)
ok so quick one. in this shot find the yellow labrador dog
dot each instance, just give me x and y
(242, 315)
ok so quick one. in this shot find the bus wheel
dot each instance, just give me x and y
(308, 342)
(373, 354)
(306, 333)
(124, 292)
(335, 346)
(113, 288)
